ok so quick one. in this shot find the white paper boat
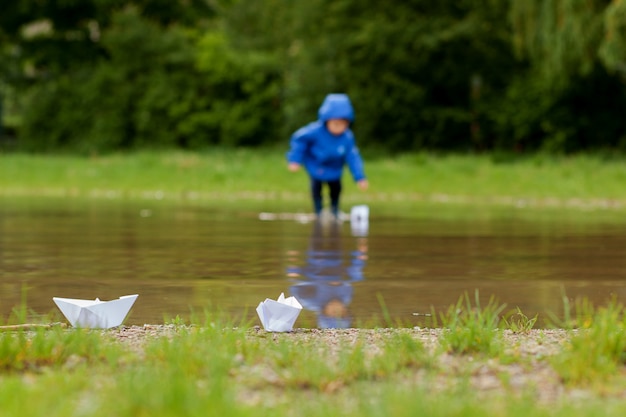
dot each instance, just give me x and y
(360, 214)
(279, 315)
(359, 220)
(95, 314)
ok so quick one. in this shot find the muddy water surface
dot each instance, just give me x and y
(184, 259)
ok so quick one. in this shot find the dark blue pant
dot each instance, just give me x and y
(334, 191)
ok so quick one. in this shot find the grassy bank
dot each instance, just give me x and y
(578, 182)
(473, 364)
(477, 366)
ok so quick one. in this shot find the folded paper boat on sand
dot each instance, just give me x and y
(95, 314)
(279, 315)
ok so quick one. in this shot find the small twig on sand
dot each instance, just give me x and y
(31, 326)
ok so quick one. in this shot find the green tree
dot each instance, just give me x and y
(569, 45)
(416, 70)
(120, 100)
(153, 87)
(97, 75)
(154, 74)
(560, 37)
(613, 48)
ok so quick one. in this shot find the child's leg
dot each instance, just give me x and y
(335, 192)
(316, 195)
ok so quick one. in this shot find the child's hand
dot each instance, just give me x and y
(293, 167)
(363, 184)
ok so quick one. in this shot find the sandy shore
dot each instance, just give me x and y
(530, 371)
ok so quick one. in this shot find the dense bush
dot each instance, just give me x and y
(526, 75)
(154, 87)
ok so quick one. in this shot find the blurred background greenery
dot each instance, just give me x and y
(518, 76)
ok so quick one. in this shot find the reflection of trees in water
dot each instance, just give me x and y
(324, 284)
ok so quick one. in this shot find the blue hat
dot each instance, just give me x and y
(336, 106)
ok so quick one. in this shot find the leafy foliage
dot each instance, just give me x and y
(527, 75)
(156, 88)
(613, 49)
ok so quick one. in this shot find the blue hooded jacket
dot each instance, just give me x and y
(322, 153)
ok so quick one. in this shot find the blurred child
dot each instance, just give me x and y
(323, 147)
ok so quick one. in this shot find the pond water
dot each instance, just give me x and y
(183, 259)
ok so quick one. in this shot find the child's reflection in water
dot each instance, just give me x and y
(324, 284)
